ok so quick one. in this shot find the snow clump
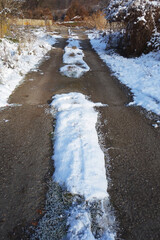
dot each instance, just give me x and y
(73, 58)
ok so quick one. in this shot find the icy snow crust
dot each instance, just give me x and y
(19, 58)
(73, 57)
(79, 166)
(141, 75)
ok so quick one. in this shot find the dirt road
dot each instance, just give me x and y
(26, 148)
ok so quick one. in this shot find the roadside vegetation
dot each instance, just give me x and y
(8, 9)
(138, 20)
(142, 20)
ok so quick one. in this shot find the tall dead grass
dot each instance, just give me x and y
(31, 22)
(4, 27)
(96, 20)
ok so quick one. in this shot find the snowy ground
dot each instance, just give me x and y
(73, 58)
(141, 75)
(20, 56)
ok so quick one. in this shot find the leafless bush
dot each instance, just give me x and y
(142, 21)
(76, 9)
(38, 13)
(138, 33)
(96, 20)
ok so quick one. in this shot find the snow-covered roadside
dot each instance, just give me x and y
(141, 75)
(18, 58)
(73, 58)
(79, 165)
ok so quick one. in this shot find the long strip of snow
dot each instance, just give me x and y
(18, 58)
(78, 158)
(80, 167)
(141, 75)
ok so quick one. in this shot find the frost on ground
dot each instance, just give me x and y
(80, 167)
(19, 56)
(141, 75)
(73, 58)
(53, 223)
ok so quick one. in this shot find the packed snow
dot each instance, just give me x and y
(79, 165)
(20, 56)
(73, 58)
(141, 74)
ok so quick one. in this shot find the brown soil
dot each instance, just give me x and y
(25, 148)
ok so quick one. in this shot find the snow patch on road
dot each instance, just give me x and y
(78, 158)
(73, 57)
(141, 74)
(80, 167)
(18, 58)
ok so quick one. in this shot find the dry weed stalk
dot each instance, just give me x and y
(97, 20)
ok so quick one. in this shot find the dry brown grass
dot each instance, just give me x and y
(97, 20)
(31, 22)
(38, 13)
(4, 27)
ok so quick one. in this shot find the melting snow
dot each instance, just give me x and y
(78, 159)
(79, 164)
(73, 57)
